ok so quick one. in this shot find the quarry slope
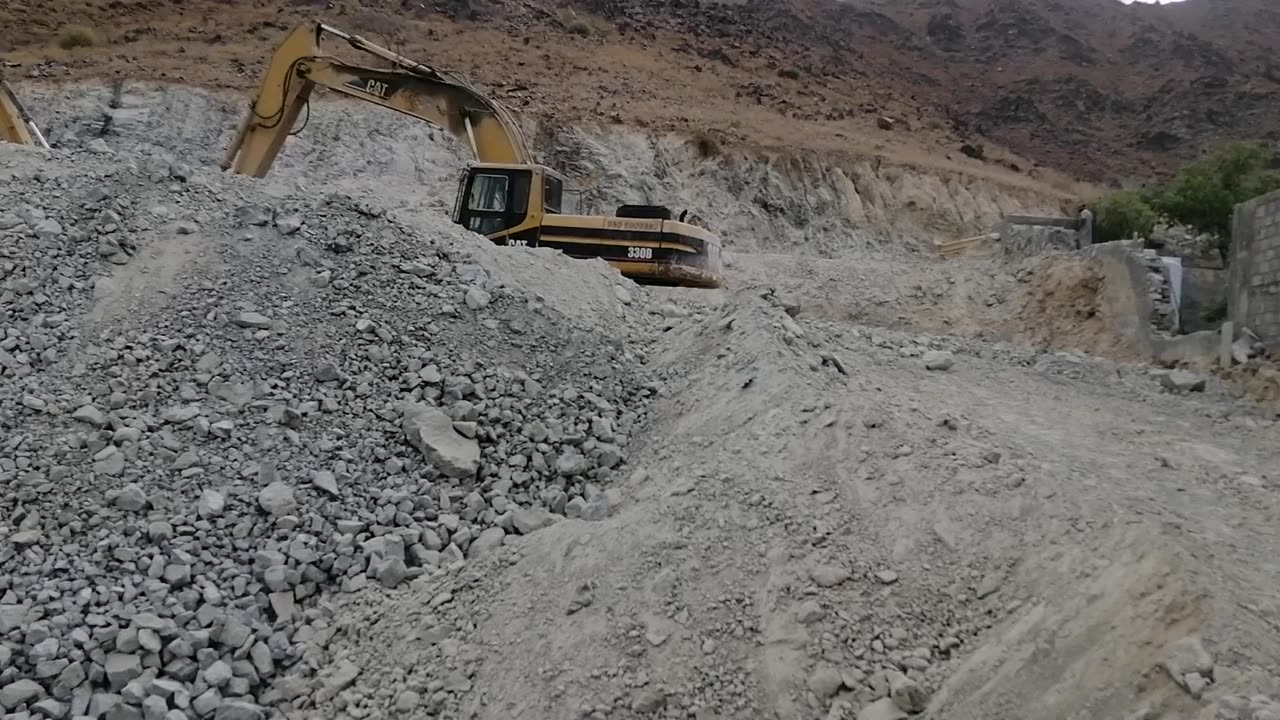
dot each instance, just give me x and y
(300, 447)
(1094, 88)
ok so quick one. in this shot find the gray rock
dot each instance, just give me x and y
(91, 415)
(207, 702)
(328, 372)
(825, 681)
(25, 537)
(50, 708)
(236, 710)
(276, 578)
(253, 215)
(391, 572)
(19, 692)
(939, 360)
(572, 462)
(527, 520)
(1188, 656)
(810, 612)
(289, 224)
(1195, 684)
(341, 678)
(263, 663)
(326, 481)
(132, 498)
(407, 701)
(1182, 381)
(603, 505)
(882, 709)
(217, 674)
(888, 577)
(477, 299)
(418, 269)
(121, 668)
(648, 700)
(432, 433)
(101, 704)
(180, 414)
(154, 708)
(69, 679)
(277, 499)
(828, 575)
(488, 541)
(211, 504)
(906, 693)
(252, 320)
(47, 229)
(283, 605)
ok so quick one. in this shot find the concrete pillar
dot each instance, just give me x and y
(1224, 344)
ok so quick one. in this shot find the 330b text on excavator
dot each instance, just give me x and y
(502, 194)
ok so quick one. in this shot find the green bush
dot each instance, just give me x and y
(1122, 215)
(74, 36)
(1204, 194)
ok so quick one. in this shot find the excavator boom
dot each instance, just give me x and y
(16, 126)
(409, 87)
(504, 195)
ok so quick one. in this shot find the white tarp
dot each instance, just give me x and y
(1174, 267)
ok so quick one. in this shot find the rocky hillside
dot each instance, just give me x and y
(1095, 88)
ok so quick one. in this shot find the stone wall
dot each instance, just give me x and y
(1254, 284)
(1031, 235)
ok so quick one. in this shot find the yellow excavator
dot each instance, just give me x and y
(16, 126)
(502, 194)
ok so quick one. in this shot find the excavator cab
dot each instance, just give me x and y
(504, 202)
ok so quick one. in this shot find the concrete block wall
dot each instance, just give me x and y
(1254, 284)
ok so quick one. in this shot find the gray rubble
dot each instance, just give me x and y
(193, 472)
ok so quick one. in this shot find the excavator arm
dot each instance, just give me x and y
(16, 125)
(409, 87)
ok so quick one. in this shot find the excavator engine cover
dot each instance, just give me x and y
(646, 212)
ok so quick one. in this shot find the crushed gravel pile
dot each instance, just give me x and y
(218, 409)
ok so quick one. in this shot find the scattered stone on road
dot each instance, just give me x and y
(939, 360)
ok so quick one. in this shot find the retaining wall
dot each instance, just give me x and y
(1254, 281)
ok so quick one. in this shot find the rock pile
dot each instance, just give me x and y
(219, 408)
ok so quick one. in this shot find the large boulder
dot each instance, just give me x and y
(432, 432)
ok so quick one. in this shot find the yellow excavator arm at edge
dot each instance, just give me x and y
(16, 126)
(442, 99)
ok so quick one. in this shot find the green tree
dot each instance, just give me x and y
(1203, 195)
(1122, 215)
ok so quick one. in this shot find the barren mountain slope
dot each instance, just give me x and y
(1095, 88)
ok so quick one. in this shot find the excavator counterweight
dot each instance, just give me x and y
(504, 194)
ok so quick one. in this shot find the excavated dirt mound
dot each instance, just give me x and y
(816, 520)
(1062, 307)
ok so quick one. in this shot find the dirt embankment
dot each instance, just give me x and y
(1094, 88)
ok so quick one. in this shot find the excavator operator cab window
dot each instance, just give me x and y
(495, 200)
(489, 193)
(553, 192)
